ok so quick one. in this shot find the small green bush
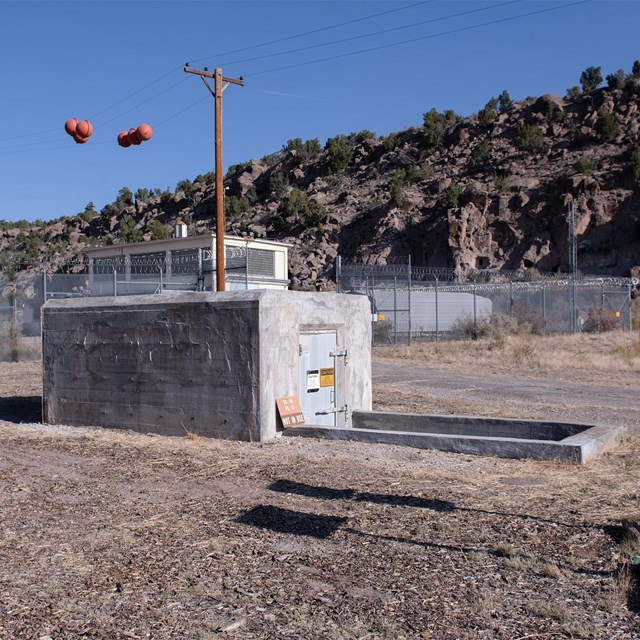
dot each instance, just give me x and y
(635, 163)
(573, 92)
(435, 125)
(607, 126)
(396, 187)
(505, 103)
(529, 138)
(616, 80)
(297, 205)
(339, 153)
(585, 165)
(481, 155)
(488, 115)
(635, 70)
(158, 230)
(590, 78)
(128, 230)
(450, 197)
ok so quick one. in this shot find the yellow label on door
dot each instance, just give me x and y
(327, 377)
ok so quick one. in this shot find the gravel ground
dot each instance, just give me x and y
(109, 534)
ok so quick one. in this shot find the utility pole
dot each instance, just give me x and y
(216, 92)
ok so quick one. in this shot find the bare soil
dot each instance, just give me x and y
(111, 534)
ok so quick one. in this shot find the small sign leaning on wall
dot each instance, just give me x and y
(290, 411)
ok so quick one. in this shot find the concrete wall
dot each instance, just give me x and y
(206, 363)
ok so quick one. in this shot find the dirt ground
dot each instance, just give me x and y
(108, 534)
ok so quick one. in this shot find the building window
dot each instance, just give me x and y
(262, 263)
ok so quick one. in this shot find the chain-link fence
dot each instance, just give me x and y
(188, 270)
(411, 303)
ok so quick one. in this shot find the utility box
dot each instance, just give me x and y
(211, 364)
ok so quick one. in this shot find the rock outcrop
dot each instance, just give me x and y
(491, 193)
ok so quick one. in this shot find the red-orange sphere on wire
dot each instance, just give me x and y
(123, 139)
(133, 137)
(70, 126)
(144, 132)
(80, 139)
(84, 129)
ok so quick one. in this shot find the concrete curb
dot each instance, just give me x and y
(456, 434)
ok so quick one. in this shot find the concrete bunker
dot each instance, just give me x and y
(210, 364)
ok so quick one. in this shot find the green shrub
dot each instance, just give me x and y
(529, 138)
(392, 142)
(585, 165)
(635, 163)
(396, 187)
(158, 230)
(500, 182)
(488, 115)
(298, 205)
(278, 184)
(601, 320)
(128, 230)
(590, 78)
(616, 80)
(339, 153)
(238, 168)
(435, 126)
(607, 126)
(235, 205)
(450, 197)
(125, 198)
(573, 92)
(206, 178)
(306, 151)
(505, 103)
(481, 155)
(635, 70)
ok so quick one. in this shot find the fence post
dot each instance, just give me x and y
(115, 283)
(602, 297)
(630, 313)
(44, 285)
(544, 303)
(160, 270)
(475, 317)
(510, 296)
(437, 325)
(395, 309)
(409, 297)
(339, 274)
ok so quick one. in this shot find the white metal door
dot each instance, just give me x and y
(317, 390)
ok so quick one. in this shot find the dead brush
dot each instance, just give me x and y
(189, 435)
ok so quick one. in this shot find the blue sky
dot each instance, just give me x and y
(120, 64)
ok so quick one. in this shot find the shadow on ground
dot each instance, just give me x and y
(21, 409)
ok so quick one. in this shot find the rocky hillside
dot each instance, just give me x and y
(486, 192)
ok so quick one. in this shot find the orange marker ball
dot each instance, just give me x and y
(133, 137)
(123, 139)
(80, 139)
(84, 128)
(144, 132)
(70, 126)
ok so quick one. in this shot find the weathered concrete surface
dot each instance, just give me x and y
(205, 363)
(575, 449)
(467, 425)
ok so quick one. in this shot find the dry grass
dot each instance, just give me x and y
(614, 351)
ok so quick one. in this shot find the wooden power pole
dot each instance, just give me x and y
(216, 92)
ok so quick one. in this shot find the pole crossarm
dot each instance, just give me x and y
(208, 74)
(216, 92)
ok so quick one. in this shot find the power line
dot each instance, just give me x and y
(434, 35)
(374, 33)
(308, 33)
